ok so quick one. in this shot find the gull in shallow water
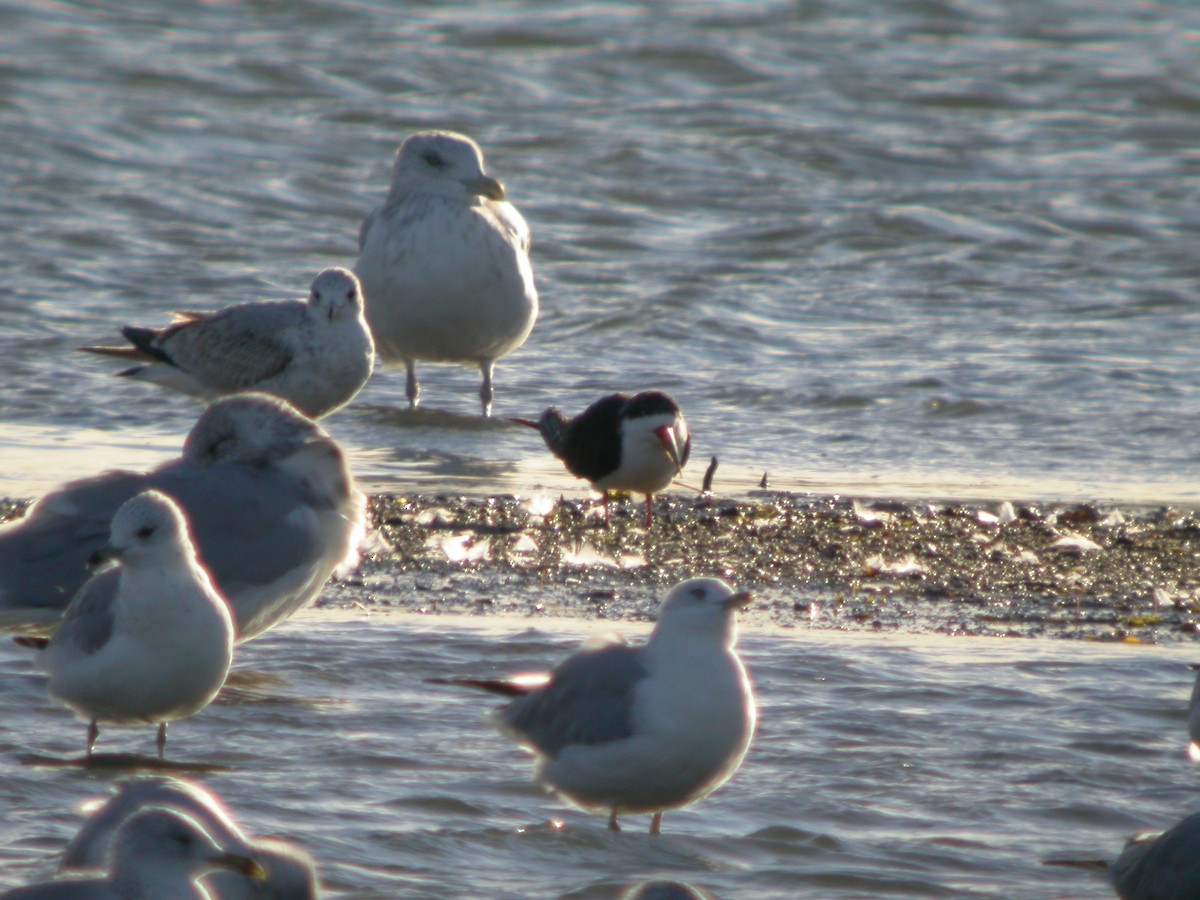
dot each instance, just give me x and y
(1194, 717)
(316, 354)
(444, 262)
(641, 729)
(157, 854)
(1160, 865)
(157, 651)
(620, 443)
(290, 873)
(270, 501)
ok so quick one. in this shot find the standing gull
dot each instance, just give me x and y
(289, 872)
(641, 729)
(270, 501)
(621, 443)
(444, 262)
(160, 649)
(157, 854)
(316, 354)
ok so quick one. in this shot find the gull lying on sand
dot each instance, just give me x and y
(269, 499)
(620, 443)
(157, 854)
(316, 354)
(444, 262)
(157, 651)
(289, 871)
(641, 729)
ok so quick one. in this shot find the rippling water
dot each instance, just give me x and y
(929, 768)
(921, 247)
(924, 247)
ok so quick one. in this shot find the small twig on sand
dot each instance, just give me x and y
(706, 485)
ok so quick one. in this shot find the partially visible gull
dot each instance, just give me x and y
(1160, 866)
(157, 651)
(290, 873)
(641, 729)
(1194, 716)
(271, 503)
(157, 854)
(620, 443)
(316, 354)
(444, 262)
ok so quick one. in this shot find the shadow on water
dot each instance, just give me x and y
(428, 417)
(123, 763)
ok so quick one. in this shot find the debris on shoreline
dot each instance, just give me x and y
(1023, 570)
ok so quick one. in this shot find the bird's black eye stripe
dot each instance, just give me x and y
(433, 159)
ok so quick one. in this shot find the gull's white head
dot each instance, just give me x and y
(148, 529)
(252, 428)
(161, 844)
(442, 162)
(335, 295)
(701, 607)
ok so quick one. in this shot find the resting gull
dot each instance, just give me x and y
(316, 354)
(270, 501)
(1160, 865)
(444, 262)
(290, 872)
(156, 651)
(157, 854)
(620, 443)
(641, 729)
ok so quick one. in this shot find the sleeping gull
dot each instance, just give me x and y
(316, 354)
(620, 443)
(641, 729)
(157, 854)
(290, 872)
(1162, 865)
(268, 496)
(444, 262)
(156, 651)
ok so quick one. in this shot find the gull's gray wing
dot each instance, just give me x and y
(1161, 867)
(367, 224)
(232, 349)
(252, 526)
(43, 557)
(588, 700)
(249, 524)
(87, 624)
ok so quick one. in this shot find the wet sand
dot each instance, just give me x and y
(1025, 570)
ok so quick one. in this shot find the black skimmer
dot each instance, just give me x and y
(621, 443)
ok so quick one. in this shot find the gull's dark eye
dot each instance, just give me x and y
(433, 159)
(145, 531)
(698, 593)
(352, 293)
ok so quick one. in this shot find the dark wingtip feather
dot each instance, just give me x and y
(553, 425)
(143, 339)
